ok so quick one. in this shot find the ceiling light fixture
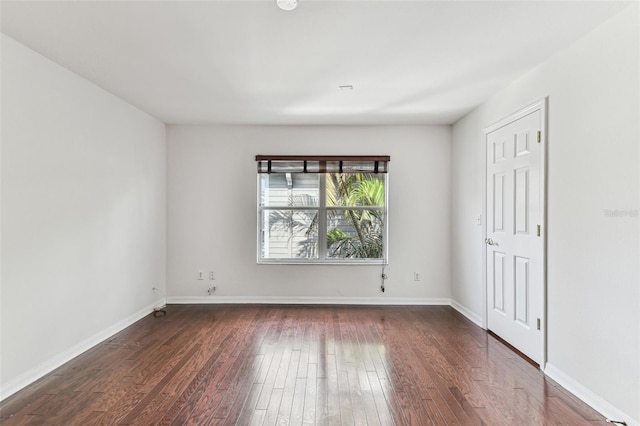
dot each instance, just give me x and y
(345, 88)
(287, 4)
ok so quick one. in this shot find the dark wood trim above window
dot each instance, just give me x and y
(323, 157)
(323, 163)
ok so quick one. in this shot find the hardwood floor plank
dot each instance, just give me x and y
(383, 407)
(123, 406)
(248, 408)
(240, 392)
(344, 395)
(16, 412)
(270, 379)
(271, 414)
(184, 404)
(419, 405)
(333, 395)
(297, 407)
(309, 413)
(322, 400)
(258, 418)
(212, 397)
(152, 394)
(357, 404)
(289, 386)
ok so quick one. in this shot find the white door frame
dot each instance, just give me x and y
(540, 105)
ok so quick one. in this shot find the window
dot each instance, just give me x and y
(322, 209)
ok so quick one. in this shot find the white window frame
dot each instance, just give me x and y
(322, 229)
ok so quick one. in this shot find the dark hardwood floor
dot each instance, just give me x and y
(251, 365)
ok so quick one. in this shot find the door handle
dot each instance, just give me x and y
(489, 241)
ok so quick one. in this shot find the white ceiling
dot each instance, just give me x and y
(247, 62)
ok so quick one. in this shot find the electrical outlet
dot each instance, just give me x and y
(416, 276)
(212, 275)
(210, 290)
(200, 275)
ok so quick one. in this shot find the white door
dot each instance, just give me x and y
(514, 234)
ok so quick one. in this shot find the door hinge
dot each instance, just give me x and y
(539, 136)
(538, 230)
(538, 323)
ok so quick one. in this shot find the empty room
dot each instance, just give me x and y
(287, 212)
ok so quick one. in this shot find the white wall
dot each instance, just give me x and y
(83, 214)
(593, 273)
(212, 215)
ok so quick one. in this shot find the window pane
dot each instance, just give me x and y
(289, 190)
(289, 234)
(355, 189)
(355, 234)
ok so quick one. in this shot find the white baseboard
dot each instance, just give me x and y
(471, 316)
(181, 300)
(51, 364)
(587, 396)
